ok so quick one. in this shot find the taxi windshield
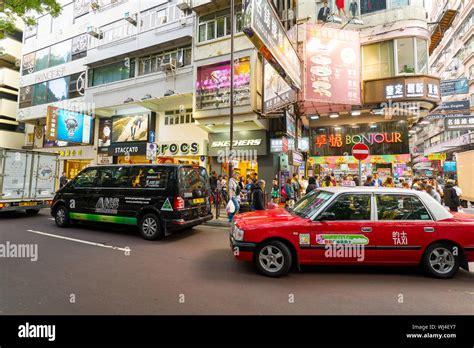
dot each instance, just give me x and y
(310, 203)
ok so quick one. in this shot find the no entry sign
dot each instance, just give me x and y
(360, 151)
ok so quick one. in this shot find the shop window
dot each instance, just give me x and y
(58, 89)
(42, 59)
(378, 60)
(40, 94)
(401, 207)
(60, 53)
(111, 73)
(405, 56)
(369, 6)
(351, 207)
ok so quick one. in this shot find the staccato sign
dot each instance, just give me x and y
(384, 138)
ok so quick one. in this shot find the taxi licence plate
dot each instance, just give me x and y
(198, 200)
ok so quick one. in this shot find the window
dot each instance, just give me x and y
(378, 60)
(77, 85)
(65, 19)
(113, 72)
(81, 7)
(217, 25)
(44, 27)
(60, 53)
(28, 64)
(114, 177)
(26, 96)
(86, 178)
(421, 56)
(150, 177)
(406, 56)
(174, 117)
(351, 207)
(310, 203)
(369, 6)
(193, 178)
(79, 47)
(401, 207)
(40, 93)
(151, 64)
(58, 89)
(42, 59)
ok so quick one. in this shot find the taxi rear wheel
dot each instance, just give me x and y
(441, 261)
(273, 259)
(150, 227)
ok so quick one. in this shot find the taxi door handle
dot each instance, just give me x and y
(366, 229)
(429, 229)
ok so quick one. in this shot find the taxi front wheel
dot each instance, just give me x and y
(273, 259)
(441, 260)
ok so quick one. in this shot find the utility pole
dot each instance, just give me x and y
(231, 101)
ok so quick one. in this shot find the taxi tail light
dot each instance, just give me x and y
(178, 203)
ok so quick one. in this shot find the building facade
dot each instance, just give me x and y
(12, 132)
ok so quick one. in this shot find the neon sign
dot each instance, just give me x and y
(338, 140)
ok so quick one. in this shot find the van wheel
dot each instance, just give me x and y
(32, 211)
(440, 262)
(273, 259)
(61, 216)
(150, 227)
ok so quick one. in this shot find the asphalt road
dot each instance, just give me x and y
(194, 272)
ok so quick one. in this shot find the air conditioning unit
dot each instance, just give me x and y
(94, 31)
(183, 4)
(131, 18)
(168, 63)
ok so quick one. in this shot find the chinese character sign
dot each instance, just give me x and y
(332, 65)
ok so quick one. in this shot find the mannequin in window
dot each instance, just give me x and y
(353, 8)
(324, 12)
(340, 6)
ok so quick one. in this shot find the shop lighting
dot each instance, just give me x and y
(425, 122)
(373, 125)
(334, 115)
(355, 112)
(314, 117)
(337, 128)
(322, 129)
(378, 111)
(412, 131)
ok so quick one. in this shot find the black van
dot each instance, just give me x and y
(156, 198)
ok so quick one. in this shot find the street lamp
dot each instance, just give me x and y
(231, 101)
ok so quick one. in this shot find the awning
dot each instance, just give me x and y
(444, 22)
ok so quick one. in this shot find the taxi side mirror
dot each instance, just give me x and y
(326, 216)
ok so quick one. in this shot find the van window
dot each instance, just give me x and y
(150, 177)
(193, 178)
(113, 177)
(86, 178)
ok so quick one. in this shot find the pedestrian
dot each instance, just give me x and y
(327, 182)
(63, 180)
(234, 195)
(296, 186)
(242, 183)
(451, 198)
(318, 184)
(290, 194)
(311, 185)
(433, 193)
(405, 185)
(275, 191)
(377, 180)
(389, 182)
(369, 181)
(213, 181)
(333, 179)
(258, 197)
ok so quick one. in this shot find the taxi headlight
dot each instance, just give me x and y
(237, 233)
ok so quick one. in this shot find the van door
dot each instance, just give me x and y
(80, 201)
(194, 189)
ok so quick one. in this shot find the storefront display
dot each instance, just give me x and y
(213, 84)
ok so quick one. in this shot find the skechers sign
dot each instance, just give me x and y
(245, 140)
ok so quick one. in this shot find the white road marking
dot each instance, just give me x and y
(52, 219)
(80, 241)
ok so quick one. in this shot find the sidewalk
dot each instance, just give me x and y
(222, 221)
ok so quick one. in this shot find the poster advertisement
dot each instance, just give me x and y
(69, 126)
(130, 128)
(332, 65)
(277, 93)
(105, 131)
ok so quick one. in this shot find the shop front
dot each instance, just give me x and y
(72, 159)
(250, 157)
(183, 152)
(331, 149)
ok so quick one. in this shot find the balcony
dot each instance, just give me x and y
(443, 22)
(10, 50)
(9, 77)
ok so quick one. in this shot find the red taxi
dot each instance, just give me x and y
(356, 226)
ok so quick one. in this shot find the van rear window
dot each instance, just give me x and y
(193, 178)
(150, 177)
